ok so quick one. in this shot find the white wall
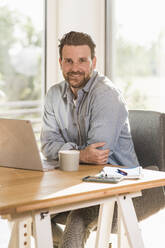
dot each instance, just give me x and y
(78, 15)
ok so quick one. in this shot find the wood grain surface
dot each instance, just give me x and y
(26, 190)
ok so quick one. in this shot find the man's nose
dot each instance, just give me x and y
(75, 66)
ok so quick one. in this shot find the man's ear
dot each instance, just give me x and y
(94, 62)
(60, 62)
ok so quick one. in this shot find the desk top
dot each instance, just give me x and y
(25, 190)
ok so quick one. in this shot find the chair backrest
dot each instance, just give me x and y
(148, 134)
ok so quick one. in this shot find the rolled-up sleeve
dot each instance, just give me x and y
(109, 123)
(108, 117)
(52, 138)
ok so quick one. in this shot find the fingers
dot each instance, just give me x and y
(101, 156)
(101, 161)
(93, 155)
(98, 144)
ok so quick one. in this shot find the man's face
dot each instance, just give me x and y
(77, 65)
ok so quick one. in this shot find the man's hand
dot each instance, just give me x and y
(92, 155)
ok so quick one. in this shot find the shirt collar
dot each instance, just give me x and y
(89, 83)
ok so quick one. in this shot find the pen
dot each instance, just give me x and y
(122, 172)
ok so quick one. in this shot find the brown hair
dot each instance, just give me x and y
(77, 39)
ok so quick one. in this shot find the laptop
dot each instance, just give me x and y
(18, 147)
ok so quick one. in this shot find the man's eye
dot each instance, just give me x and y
(68, 61)
(82, 60)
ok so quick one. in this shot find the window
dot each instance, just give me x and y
(139, 52)
(21, 49)
(60, 21)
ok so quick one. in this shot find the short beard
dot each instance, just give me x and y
(82, 83)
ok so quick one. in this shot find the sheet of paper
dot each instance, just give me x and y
(134, 172)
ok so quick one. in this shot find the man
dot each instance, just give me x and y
(85, 112)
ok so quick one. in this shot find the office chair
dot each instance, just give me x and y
(148, 134)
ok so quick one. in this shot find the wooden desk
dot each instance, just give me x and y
(28, 196)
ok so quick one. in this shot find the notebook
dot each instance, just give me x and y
(124, 172)
(110, 174)
(18, 147)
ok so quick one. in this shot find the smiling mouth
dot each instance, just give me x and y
(75, 74)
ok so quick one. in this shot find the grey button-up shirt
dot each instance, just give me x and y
(99, 115)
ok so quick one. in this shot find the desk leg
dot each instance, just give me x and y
(104, 224)
(20, 233)
(121, 237)
(130, 222)
(42, 230)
